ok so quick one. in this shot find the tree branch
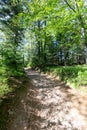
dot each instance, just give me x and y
(70, 6)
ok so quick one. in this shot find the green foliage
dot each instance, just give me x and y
(61, 23)
(73, 74)
(5, 74)
(11, 47)
(43, 32)
(5, 86)
(56, 33)
(14, 73)
(37, 63)
(82, 78)
(4, 89)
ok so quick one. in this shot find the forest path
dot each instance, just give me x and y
(48, 104)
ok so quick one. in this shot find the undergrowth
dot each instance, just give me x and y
(10, 82)
(77, 75)
(5, 75)
(4, 88)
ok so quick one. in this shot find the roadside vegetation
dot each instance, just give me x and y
(76, 75)
(41, 33)
(4, 88)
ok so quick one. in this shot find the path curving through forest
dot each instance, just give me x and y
(48, 104)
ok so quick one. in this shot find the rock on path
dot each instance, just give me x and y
(48, 104)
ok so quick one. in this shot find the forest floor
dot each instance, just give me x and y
(46, 103)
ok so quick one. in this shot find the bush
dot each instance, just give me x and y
(73, 74)
(82, 78)
(4, 89)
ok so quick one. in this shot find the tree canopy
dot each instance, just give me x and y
(53, 31)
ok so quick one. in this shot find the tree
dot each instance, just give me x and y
(58, 29)
(13, 32)
(79, 8)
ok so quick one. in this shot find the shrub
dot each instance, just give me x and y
(73, 74)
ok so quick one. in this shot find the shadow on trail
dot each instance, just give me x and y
(47, 104)
(55, 105)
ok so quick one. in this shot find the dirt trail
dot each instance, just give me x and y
(48, 104)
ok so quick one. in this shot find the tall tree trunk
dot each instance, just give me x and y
(39, 43)
(44, 51)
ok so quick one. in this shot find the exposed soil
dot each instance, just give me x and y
(46, 103)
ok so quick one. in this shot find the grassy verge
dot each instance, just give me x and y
(10, 83)
(4, 88)
(75, 75)
(5, 76)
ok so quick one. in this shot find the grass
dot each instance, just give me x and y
(10, 82)
(4, 88)
(76, 75)
(5, 75)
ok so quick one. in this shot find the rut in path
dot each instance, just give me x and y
(48, 104)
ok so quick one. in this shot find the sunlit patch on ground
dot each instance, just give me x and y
(48, 104)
